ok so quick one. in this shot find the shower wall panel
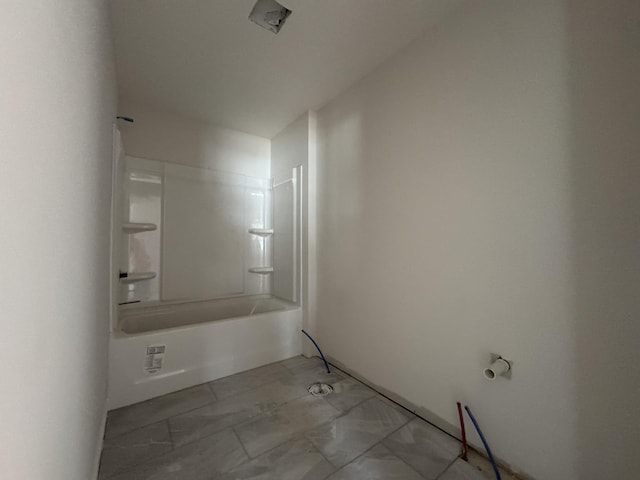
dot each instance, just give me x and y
(203, 234)
(202, 248)
(258, 250)
(143, 189)
(284, 244)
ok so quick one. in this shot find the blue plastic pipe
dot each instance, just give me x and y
(484, 442)
(319, 351)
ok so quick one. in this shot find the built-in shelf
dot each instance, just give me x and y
(261, 232)
(138, 277)
(138, 227)
(261, 270)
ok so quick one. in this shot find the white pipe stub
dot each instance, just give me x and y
(498, 368)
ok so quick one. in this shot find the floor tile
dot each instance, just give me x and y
(377, 464)
(231, 411)
(273, 428)
(307, 364)
(297, 460)
(129, 449)
(295, 361)
(393, 404)
(424, 447)
(145, 413)
(201, 460)
(242, 382)
(483, 464)
(263, 425)
(312, 371)
(461, 470)
(348, 393)
(348, 436)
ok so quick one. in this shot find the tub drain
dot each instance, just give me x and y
(320, 389)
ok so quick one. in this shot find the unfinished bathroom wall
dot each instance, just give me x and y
(215, 225)
(192, 233)
(160, 135)
(449, 184)
(285, 252)
(58, 97)
(207, 251)
(604, 74)
(295, 146)
(214, 186)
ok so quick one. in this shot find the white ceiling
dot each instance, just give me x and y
(204, 59)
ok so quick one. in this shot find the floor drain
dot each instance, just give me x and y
(320, 389)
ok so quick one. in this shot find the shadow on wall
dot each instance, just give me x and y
(169, 137)
(494, 202)
(604, 40)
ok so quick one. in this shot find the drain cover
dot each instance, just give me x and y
(320, 389)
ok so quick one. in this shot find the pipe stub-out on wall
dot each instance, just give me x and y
(499, 367)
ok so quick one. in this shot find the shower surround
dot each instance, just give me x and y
(199, 294)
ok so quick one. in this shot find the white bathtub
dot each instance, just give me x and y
(202, 341)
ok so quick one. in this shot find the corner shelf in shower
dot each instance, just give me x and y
(261, 270)
(138, 277)
(138, 227)
(261, 232)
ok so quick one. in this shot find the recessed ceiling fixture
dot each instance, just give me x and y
(269, 14)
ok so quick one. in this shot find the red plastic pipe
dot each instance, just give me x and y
(464, 434)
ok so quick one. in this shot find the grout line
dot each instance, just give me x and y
(299, 436)
(162, 418)
(244, 449)
(152, 459)
(321, 454)
(173, 444)
(240, 423)
(272, 378)
(351, 407)
(210, 387)
(395, 402)
(174, 447)
(502, 469)
(448, 467)
(379, 442)
(121, 470)
(302, 362)
(402, 459)
(135, 429)
(217, 402)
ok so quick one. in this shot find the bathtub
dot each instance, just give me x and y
(162, 349)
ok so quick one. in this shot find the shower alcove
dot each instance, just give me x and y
(207, 276)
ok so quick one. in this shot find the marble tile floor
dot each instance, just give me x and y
(262, 424)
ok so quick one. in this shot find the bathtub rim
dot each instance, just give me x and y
(128, 383)
(118, 332)
(125, 308)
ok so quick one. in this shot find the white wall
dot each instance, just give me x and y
(57, 96)
(294, 146)
(164, 136)
(470, 202)
(207, 249)
(160, 135)
(604, 69)
(290, 148)
(286, 263)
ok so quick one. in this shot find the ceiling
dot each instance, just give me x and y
(204, 59)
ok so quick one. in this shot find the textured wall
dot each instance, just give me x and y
(478, 193)
(58, 99)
